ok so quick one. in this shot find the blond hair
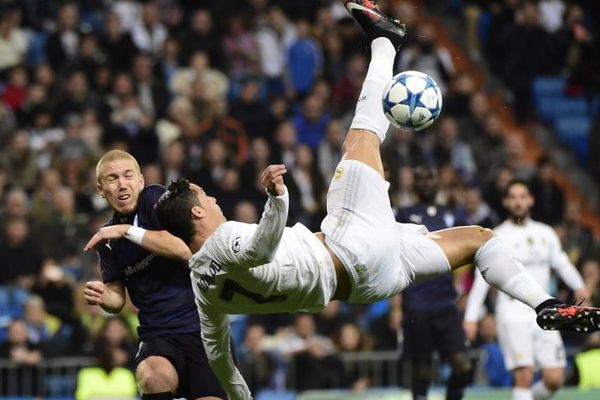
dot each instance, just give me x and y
(115, 155)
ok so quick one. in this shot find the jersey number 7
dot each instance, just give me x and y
(230, 287)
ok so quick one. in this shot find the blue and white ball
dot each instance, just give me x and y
(412, 100)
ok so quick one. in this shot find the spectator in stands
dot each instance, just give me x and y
(15, 91)
(249, 109)
(256, 365)
(311, 122)
(202, 37)
(240, 48)
(478, 212)
(449, 149)
(108, 379)
(385, 329)
(117, 43)
(20, 255)
(13, 40)
(489, 145)
(19, 158)
(549, 204)
(148, 32)
(590, 272)
(587, 362)
(303, 60)
(495, 187)
(350, 339)
(491, 360)
(577, 239)
(152, 94)
(313, 362)
(402, 148)
(330, 149)
(402, 187)
(19, 349)
(426, 56)
(347, 88)
(62, 45)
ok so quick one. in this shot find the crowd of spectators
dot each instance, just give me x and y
(215, 91)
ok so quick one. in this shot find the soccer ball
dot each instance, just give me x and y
(412, 100)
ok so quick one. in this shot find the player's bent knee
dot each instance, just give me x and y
(156, 375)
(460, 363)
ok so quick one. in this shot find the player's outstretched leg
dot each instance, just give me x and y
(370, 125)
(475, 245)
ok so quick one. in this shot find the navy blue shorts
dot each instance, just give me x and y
(429, 330)
(186, 352)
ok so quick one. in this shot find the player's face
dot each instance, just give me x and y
(209, 203)
(121, 185)
(518, 201)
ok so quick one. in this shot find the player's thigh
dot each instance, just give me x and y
(516, 341)
(198, 381)
(549, 349)
(461, 243)
(448, 332)
(418, 336)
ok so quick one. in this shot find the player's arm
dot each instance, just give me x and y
(566, 270)
(216, 338)
(160, 242)
(110, 296)
(474, 303)
(259, 248)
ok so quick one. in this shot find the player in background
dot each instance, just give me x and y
(138, 256)
(362, 256)
(524, 344)
(432, 321)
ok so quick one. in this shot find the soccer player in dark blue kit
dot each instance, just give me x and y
(432, 320)
(137, 255)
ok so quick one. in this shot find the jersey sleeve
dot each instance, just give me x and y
(258, 247)
(562, 265)
(216, 339)
(476, 298)
(108, 268)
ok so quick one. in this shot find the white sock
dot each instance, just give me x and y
(501, 270)
(541, 391)
(369, 110)
(522, 394)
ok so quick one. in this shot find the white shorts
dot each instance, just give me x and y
(524, 344)
(381, 256)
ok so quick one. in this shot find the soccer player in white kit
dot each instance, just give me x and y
(362, 254)
(524, 344)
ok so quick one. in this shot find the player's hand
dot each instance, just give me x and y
(106, 233)
(93, 292)
(470, 330)
(272, 179)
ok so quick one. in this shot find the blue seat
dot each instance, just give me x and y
(548, 86)
(268, 394)
(4, 297)
(574, 132)
(551, 108)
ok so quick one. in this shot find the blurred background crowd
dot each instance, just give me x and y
(215, 90)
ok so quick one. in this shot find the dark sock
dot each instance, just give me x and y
(419, 388)
(456, 385)
(548, 303)
(158, 396)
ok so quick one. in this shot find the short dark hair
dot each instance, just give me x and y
(514, 182)
(173, 209)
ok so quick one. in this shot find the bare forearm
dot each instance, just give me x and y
(166, 245)
(113, 298)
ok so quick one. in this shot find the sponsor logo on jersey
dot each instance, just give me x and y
(138, 266)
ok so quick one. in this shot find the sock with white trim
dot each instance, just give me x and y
(522, 394)
(369, 109)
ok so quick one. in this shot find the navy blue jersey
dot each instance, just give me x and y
(159, 287)
(437, 292)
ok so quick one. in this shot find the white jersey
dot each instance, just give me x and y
(538, 248)
(249, 268)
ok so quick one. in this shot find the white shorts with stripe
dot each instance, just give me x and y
(382, 257)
